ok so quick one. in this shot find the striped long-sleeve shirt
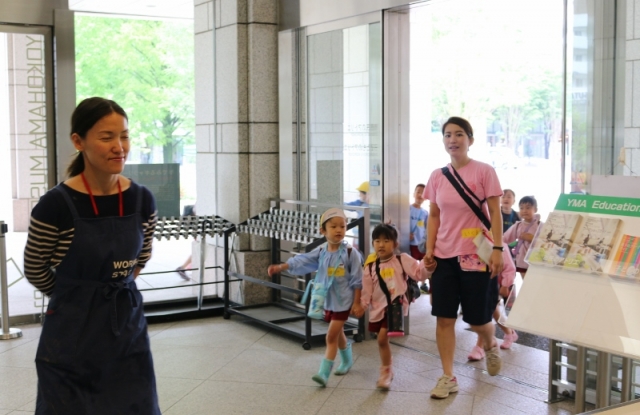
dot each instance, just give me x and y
(51, 229)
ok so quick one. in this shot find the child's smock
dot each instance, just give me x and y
(514, 234)
(345, 267)
(391, 270)
(417, 224)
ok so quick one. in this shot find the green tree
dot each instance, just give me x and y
(147, 67)
(486, 59)
(476, 68)
(546, 105)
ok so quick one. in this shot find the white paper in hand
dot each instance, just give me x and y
(484, 247)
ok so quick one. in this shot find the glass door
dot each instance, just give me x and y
(344, 130)
(27, 152)
(497, 63)
(505, 76)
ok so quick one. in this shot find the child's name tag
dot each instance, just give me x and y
(336, 272)
(470, 232)
(387, 273)
(472, 263)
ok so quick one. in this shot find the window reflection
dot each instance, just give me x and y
(504, 75)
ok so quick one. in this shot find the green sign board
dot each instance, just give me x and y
(621, 206)
(163, 180)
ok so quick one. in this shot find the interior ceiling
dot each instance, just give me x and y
(180, 9)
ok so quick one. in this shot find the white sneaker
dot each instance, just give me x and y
(494, 362)
(445, 386)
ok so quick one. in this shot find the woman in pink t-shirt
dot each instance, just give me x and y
(460, 277)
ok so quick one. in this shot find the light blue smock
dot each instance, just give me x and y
(340, 295)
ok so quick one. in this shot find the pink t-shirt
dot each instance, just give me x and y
(458, 224)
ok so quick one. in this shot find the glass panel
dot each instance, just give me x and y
(148, 68)
(591, 93)
(504, 76)
(578, 92)
(345, 108)
(23, 151)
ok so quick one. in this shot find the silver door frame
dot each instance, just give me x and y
(396, 122)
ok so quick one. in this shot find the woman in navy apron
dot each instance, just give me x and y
(94, 355)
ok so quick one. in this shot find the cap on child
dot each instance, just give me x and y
(332, 213)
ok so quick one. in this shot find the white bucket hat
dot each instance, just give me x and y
(332, 213)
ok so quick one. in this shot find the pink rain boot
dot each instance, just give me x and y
(386, 376)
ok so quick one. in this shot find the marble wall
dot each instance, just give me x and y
(236, 64)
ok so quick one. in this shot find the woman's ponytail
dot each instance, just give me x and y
(76, 166)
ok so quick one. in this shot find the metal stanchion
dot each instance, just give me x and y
(603, 385)
(207, 224)
(554, 371)
(7, 332)
(627, 379)
(581, 379)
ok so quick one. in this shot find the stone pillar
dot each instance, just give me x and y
(237, 121)
(632, 88)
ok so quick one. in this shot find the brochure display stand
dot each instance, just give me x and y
(291, 223)
(627, 408)
(582, 290)
(583, 282)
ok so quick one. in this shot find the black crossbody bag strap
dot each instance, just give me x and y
(465, 196)
(404, 274)
(383, 285)
(455, 172)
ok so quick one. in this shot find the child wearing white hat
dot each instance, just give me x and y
(339, 267)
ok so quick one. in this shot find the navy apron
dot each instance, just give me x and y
(94, 355)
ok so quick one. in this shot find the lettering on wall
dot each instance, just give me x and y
(36, 102)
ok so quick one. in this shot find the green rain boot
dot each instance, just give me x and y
(346, 361)
(323, 373)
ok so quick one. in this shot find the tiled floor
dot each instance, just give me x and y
(217, 366)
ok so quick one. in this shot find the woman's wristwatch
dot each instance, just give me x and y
(499, 248)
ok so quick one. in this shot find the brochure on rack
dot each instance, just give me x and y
(591, 234)
(583, 282)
